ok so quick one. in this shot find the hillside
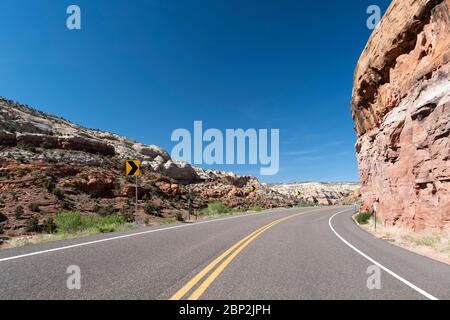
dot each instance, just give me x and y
(51, 165)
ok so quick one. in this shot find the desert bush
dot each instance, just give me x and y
(106, 211)
(58, 193)
(2, 228)
(363, 217)
(66, 205)
(216, 208)
(127, 215)
(32, 225)
(256, 209)
(34, 207)
(18, 212)
(49, 185)
(67, 222)
(3, 218)
(152, 209)
(49, 226)
(179, 216)
(70, 222)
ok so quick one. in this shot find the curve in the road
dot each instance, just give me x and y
(224, 259)
(409, 284)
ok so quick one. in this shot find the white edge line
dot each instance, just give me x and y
(409, 284)
(138, 234)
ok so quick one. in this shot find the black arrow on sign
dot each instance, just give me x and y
(134, 168)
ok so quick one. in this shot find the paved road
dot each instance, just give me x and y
(283, 254)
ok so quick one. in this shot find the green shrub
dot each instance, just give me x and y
(152, 209)
(96, 208)
(106, 228)
(106, 211)
(49, 226)
(18, 212)
(32, 225)
(107, 224)
(66, 205)
(2, 228)
(256, 209)
(179, 216)
(34, 207)
(127, 215)
(58, 193)
(216, 208)
(2, 217)
(49, 185)
(363, 217)
(68, 222)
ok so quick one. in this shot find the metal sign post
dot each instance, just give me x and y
(137, 195)
(375, 216)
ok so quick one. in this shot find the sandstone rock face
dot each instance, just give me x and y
(28, 128)
(401, 110)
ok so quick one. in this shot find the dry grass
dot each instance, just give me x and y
(427, 243)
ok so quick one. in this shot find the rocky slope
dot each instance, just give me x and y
(319, 193)
(51, 165)
(401, 110)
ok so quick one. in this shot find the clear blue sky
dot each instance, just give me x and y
(143, 68)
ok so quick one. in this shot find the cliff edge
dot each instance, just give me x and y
(401, 109)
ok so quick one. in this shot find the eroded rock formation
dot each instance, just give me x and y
(50, 165)
(320, 193)
(401, 110)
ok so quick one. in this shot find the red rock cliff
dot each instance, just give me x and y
(401, 110)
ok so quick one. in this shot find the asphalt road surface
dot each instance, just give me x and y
(310, 253)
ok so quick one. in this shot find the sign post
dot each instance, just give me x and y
(133, 169)
(375, 215)
(137, 195)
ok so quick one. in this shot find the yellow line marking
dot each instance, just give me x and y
(185, 289)
(237, 248)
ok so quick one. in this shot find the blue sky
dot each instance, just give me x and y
(144, 68)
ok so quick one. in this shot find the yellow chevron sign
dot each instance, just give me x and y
(253, 188)
(133, 168)
(298, 194)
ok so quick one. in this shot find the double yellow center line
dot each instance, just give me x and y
(222, 261)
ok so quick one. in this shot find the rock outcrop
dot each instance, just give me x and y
(401, 110)
(319, 193)
(49, 165)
